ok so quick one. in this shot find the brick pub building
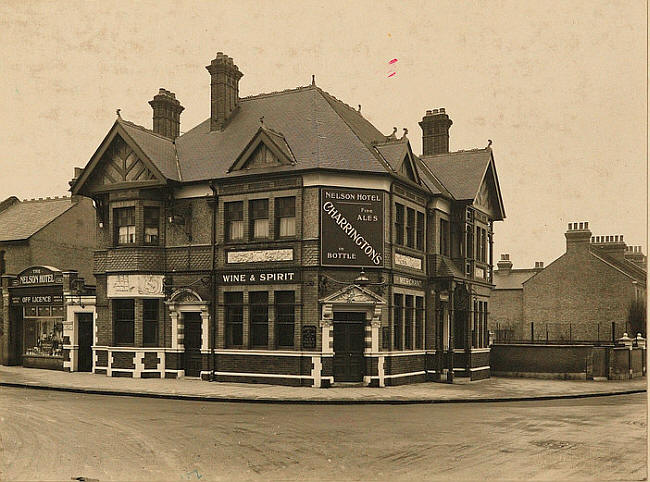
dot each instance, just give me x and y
(286, 240)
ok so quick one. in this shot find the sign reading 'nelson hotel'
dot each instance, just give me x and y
(352, 227)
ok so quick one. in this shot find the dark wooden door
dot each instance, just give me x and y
(85, 325)
(192, 342)
(17, 345)
(348, 346)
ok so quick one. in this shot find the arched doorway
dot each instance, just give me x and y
(190, 334)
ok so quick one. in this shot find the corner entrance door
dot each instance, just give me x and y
(192, 342)
(85, 326)
(348, 346)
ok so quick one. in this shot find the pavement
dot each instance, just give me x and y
(495, 389)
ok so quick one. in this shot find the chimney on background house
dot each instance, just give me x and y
(504, 264)
(435, 132)
(577, 237)
(224, 90)
(539, 266)
(613, 245)
(166, 114)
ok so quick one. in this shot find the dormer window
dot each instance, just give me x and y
(125, 225)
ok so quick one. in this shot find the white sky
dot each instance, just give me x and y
(559, 86)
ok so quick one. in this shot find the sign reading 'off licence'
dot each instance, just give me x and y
(352, 227)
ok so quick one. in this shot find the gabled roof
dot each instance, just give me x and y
(157, 152)
(396, 153)
(23, 219)
(626, 267)
(463, 172)
(274, 141)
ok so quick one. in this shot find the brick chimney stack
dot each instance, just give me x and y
(612, 245)
(435, 132)
(504, 264)
(224, 90)
(166, 114)
(577, 236)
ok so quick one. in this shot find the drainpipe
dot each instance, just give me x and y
(213, 279)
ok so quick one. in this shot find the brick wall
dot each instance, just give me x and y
(579, 289)
(566, 361)
(507, 311)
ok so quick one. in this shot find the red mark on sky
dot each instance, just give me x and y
(392, 73)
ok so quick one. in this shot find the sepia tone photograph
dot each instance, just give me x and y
(300, 240)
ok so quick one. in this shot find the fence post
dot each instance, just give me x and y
(598, 331)
(547, 333)
(613, 333)
(570, 334)
(532, 331)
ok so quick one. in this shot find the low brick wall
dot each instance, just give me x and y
(572, 362)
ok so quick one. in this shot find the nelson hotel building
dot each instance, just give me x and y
(286, 240)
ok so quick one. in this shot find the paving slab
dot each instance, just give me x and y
(489, 390)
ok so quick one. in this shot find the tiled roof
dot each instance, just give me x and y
(393, 152)
(23, 219)
(630, 269)
(461, 172)
(513, 279)
(159, 149)
(321, 131)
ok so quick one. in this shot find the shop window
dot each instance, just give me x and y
(234, 317)
(259, 317)
(410, 228)
(408, 322)
(124, 220)
(444, 237)
(124, 321)
(234, 213)
(419, 231)
(399, 223)
(398, 320)
(419, 322)
(150, 310)
(285, 317)
(258, 212)
(44, 337)
(152, 226)
(460, 318)
(285, 216)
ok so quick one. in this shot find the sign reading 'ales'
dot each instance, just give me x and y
(352, 227)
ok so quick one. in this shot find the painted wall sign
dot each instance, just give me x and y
(352, 227)
(258, 277)
(408, 261)
(406, 281)
(40, 299)
(38, 275)
(308, 337)
(134, 286)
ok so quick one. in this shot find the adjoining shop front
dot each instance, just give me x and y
(48, 320)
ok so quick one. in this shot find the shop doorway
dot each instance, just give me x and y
(349, 343)
(192, 342)
(85, 327)
(17, 346)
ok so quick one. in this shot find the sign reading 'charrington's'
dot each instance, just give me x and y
(352, 227)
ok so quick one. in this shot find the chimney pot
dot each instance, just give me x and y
(166, 113)
(435, 132)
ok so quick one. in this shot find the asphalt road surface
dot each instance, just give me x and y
(48, 435)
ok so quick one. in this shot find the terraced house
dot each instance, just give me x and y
(286, 240)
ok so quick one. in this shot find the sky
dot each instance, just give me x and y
(558, 86)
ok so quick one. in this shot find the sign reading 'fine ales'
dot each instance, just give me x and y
(352, 227)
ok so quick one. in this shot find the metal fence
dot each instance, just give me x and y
(560, 333)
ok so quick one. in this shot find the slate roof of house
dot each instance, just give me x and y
(461, 172)
(23, 219)
(512, 279)
(321, 131)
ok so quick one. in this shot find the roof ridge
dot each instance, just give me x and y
(47, 198)
(148, 131)
(276, 93)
